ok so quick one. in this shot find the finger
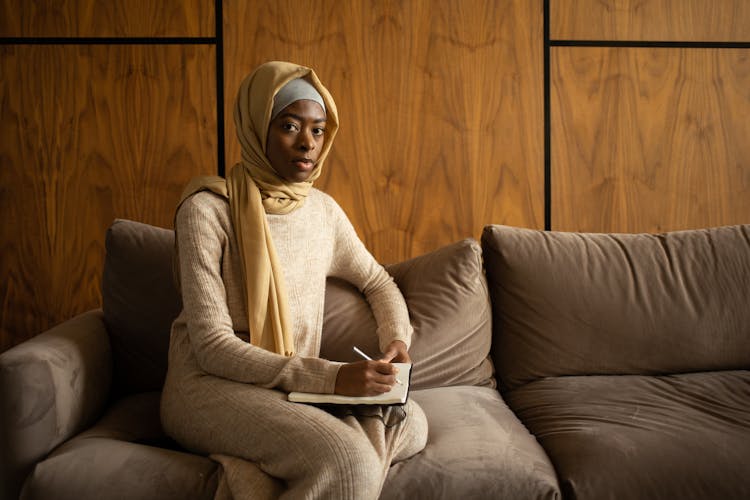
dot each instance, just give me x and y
(380, 388)
(398, 357)
(404, 358)
(382, 373)
(374, 380)
(385, 387)
(385, 368)
(389, 355)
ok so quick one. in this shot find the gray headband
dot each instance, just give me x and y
(295, 90)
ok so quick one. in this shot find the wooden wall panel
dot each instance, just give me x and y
(97, 18)
(89, 134)
(652, 20)
(441, 106)
(650, 139)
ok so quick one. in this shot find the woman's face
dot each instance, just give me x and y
(295, 140)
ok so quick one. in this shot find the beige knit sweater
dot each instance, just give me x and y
(312, 243)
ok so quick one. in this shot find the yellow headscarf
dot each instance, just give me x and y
(253, 189)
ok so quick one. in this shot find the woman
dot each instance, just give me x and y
(254, 254)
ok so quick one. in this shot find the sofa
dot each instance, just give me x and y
(549, 365)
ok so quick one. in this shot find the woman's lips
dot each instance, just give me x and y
(303, 164)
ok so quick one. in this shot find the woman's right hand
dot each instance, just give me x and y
(365, 378)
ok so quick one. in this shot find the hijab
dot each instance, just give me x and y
(254, 189)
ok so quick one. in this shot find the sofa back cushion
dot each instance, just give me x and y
(140, 301)
(446, 294)
(445, 291)
(583, 304)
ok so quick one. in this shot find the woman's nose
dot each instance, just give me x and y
(306, 141)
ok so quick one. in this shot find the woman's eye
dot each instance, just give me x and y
(290, 127)
(318, 131)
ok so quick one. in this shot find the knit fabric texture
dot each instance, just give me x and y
(313, 242)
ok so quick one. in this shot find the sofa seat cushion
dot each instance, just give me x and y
(124, 455)
(476, 448)
(677, 436)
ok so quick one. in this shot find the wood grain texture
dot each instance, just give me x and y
(89, 134)
(652, 20)
(650, 139)
(440, 103)
(97, 18)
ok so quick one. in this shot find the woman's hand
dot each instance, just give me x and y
(396, 353)
(369, 378)
(365, 378)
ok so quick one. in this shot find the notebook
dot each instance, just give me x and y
(398, 394)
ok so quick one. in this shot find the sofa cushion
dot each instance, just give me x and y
(679, 436)
(476, 448)
(117, 456)
(583, 304)
(140, 301)
(446, 293)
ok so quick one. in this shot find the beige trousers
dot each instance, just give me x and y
(314, 454)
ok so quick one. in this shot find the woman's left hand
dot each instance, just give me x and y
(396, 352)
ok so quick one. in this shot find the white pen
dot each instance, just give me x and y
(359, 351)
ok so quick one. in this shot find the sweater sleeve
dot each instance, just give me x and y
(202, 234)
(352, 262)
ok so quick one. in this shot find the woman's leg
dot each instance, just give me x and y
(393, 436)
(316, 454)
(413, 435)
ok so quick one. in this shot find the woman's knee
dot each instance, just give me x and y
(413, 438)
(343, 465)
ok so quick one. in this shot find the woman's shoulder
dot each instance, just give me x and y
(337, 221)
(205, 200)
(320, 196)
(325, 201)
(204, 206)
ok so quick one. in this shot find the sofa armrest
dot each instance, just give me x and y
(53, 386)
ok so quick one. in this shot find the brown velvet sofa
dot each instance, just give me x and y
(550, 365)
